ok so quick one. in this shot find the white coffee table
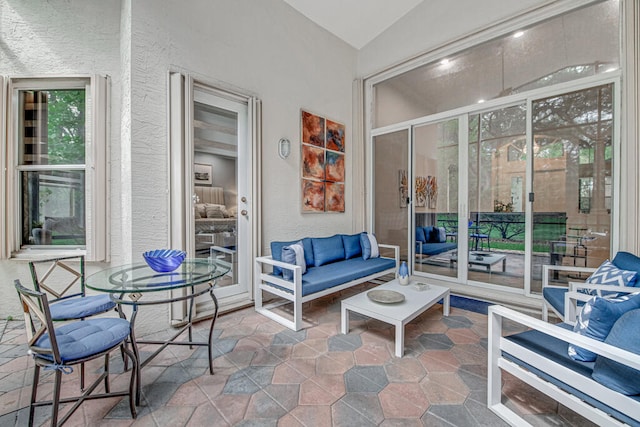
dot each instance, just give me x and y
(399, 314)
(484, 259)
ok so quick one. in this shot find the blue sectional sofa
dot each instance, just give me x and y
(432, 240)
(330, 265)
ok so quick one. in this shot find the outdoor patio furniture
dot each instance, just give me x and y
(319, 267)
(66, 284)
(554, 296)
(73, 343)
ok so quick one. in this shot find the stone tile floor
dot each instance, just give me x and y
(267, 375)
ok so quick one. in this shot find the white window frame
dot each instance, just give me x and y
(95, 167)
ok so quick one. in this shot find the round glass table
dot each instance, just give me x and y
(129, 284)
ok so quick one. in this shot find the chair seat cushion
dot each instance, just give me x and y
(84, 338)
(555, 297)
(81, 307)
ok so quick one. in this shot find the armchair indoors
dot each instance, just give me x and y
(603, 280)
(58, 349)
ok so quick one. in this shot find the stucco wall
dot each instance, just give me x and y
(263, 48)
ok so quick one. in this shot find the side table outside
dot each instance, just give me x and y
(415, 303)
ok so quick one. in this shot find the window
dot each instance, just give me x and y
(56, 146)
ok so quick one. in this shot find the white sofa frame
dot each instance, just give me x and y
(497, 363)
(264, 281)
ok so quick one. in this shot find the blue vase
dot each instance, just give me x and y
(403, 273)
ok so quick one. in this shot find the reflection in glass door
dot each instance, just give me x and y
(435, 166)
(572, 182)
(391, 186)
(220, 220)
(497, 168)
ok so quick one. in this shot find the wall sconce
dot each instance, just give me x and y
(284, 148)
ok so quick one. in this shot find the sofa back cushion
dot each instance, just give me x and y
(614, 375)
(276, 252)
(352, 246)
(628, 261)
(428, 234)
(327, 249)
(420, 237)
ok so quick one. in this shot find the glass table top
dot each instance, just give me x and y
(139, 277)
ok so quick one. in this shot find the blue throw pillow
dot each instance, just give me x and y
(614, 375)
(442, 235)
(293, 254)
(327, 249)
(609, 274)
(352, 246)
(276, 252)
(596, 319)
(369, 246)
(420, 235)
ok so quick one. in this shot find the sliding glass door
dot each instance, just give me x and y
(572, 179)
(497, 171)
(392, 202)
(435, 178)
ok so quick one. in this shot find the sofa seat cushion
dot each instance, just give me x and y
(435, 248)
(556, 350)
(555, 297)
(327, 276)
(337, 273)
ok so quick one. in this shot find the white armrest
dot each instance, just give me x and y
(574, 286)
(294, 286)
(396, 251)
(614, 353)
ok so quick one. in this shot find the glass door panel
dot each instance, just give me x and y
(572, 182)
(497, 168)
(435, 166)
(391, 189)
(219, 133)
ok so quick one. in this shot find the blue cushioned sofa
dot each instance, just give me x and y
(604, 391)
(432, 241)
(332, 264)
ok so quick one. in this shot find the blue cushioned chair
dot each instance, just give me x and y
(553, 297)
(64, 283)
(72, 343)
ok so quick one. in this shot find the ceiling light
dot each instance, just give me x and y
(480, 101)
(608, 70)
(518, 34)
(444, 62)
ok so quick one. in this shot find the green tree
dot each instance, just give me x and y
(66, 126)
